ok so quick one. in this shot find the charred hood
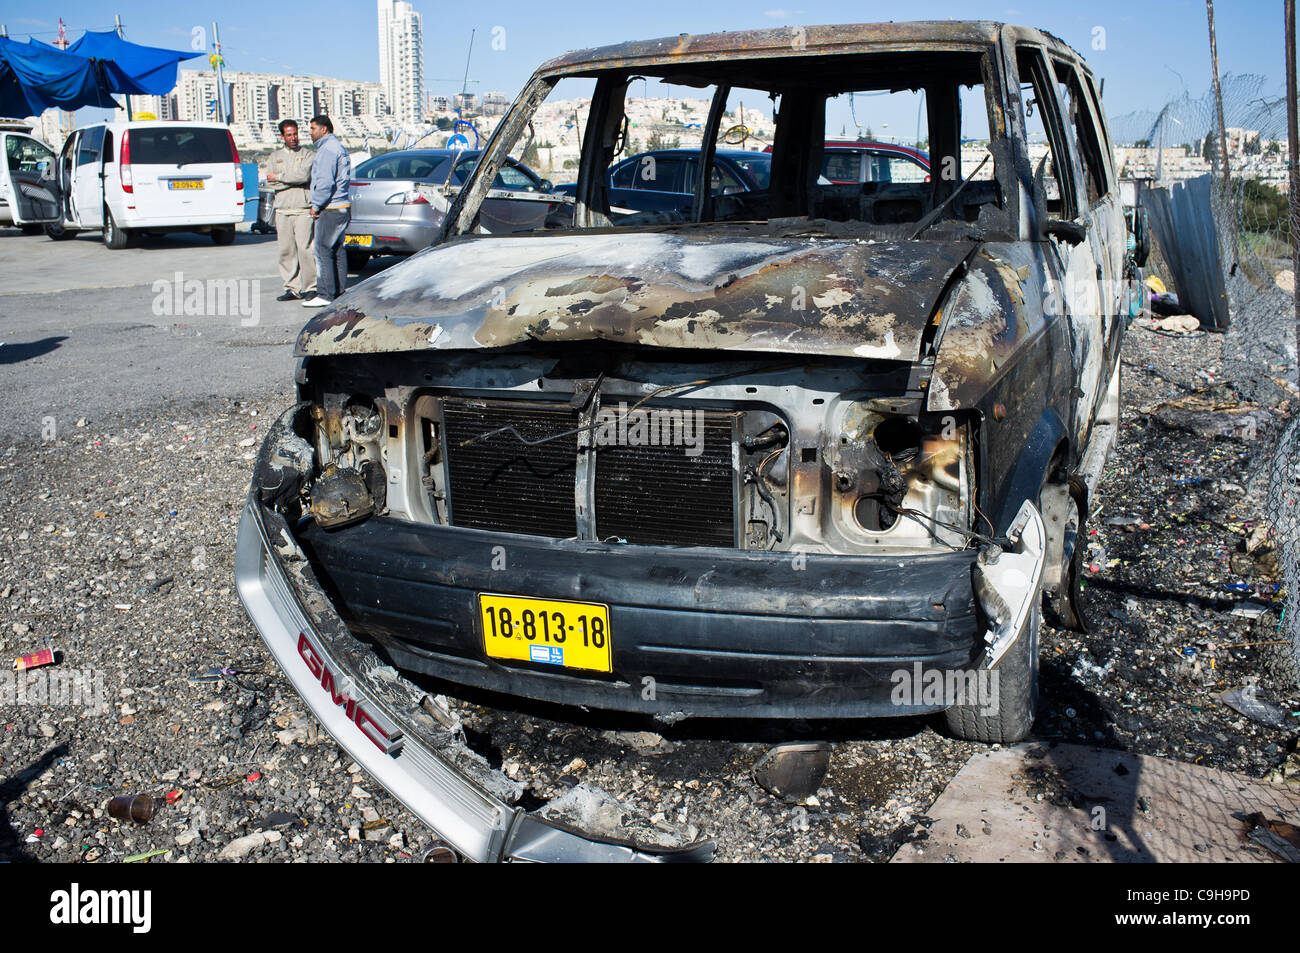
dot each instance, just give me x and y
(835, 297)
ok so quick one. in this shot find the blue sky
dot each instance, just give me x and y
(1148, 46)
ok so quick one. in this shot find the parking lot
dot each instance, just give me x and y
(124, 462)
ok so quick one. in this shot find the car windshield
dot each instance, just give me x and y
(634, 141)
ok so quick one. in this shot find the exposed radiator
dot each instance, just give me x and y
(658, 495)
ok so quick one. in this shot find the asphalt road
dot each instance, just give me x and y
(91, 334)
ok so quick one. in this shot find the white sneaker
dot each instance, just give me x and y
(316, 302)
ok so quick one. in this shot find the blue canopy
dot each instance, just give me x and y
(35, 76)
(130, 67)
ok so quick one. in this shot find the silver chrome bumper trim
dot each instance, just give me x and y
(478, 824)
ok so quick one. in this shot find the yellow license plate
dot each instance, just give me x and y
(185, 184)
(357, 240)
(547, 631)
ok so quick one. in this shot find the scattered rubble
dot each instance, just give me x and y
(1179, 519)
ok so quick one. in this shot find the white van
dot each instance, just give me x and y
(28, 195)
(149, 176)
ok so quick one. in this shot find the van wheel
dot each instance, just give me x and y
(357, 261)
(114, 237)
(1017, 694)
(57, 232)
(223, 236)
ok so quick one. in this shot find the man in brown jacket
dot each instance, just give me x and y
(289, 172)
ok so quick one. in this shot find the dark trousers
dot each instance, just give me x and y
(331, 255)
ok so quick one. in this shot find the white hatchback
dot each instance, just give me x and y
(149, 176)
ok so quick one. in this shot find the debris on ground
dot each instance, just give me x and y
(1245, 701)
(793, 771)
(34, 660)
(1184, 505)
(131, 807)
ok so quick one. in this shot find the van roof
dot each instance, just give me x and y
(777, 41)
(155, 123)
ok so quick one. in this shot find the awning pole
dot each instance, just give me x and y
(117, 27)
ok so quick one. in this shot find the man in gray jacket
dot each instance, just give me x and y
(289, 172)
(331, 171)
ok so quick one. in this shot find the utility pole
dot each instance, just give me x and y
(464, 86)
(121, 35)
(1293, 159)
(1218, 93)
(221, 82)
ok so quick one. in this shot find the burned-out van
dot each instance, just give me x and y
(752, 457)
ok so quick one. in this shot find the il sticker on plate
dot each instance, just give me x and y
(546, 654)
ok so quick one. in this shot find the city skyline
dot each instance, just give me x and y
(512, 38)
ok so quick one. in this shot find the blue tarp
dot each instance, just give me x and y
(130, 67)
(35, 77)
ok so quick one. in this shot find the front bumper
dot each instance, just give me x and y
(378, 719)
(715, 633)
(820, 630)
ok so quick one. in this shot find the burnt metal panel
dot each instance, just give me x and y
(790, 295)
(1182, 220)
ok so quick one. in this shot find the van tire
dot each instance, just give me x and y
(115, 237)
(1017, 694)
(223, 236)
(57, 232)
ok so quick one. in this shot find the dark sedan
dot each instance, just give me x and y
(664, 180)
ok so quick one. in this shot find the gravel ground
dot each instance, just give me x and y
(117, 552)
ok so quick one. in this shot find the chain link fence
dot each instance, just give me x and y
(1252, 220)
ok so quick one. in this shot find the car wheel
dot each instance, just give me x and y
(223, 236)
(1016, 676)
(56, 231)
(357, 261)
(114, 237)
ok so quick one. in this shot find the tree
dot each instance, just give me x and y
(443, 123)
(1210, 149)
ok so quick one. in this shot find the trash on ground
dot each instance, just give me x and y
(131, 807)
(1246, 702)
(34, 660)
(794, 770)
(1179, 323)
(136, 858)
(1279, 837)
